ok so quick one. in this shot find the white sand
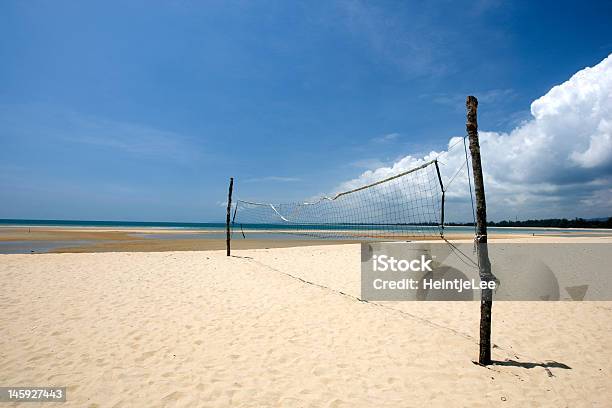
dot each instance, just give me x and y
(200, 329)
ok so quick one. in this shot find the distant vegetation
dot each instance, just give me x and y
(550, 223)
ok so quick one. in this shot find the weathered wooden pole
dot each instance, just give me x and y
(484, 265)
(229, 210)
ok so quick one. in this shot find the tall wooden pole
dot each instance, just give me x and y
(229, 210)
(484, 265)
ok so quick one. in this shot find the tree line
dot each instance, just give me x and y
(548, 223)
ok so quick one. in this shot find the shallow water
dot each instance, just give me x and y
(33, 247)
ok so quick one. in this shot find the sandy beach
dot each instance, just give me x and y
(280, 327)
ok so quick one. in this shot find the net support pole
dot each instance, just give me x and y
(229, 211)
(484, 265)
(443, 194)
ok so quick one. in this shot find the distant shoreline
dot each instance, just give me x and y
(41, 239)
(216, 226)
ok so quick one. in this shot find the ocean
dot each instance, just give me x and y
(220, 227)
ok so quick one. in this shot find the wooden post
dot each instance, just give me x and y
(229, 210)
(486, 301)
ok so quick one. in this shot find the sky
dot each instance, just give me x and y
(142, 111)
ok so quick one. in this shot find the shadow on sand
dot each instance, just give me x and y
(525, 364)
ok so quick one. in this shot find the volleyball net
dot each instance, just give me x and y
(407, 205)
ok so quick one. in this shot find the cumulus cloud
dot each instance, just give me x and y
(556, 164)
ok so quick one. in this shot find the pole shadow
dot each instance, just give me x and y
(547, 365)
(526, 364)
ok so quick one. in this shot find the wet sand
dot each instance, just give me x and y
(133, 239)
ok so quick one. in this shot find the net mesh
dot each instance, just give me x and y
(405, 206)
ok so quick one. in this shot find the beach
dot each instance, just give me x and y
(346, 204)
(80, 240)
(281, 327)
(61, 239)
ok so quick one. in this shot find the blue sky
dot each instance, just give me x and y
(142, 110)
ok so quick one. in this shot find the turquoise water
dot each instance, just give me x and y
(38, 247)
(220, 227)
(252, 231)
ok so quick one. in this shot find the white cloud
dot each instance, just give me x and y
(558, 163)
